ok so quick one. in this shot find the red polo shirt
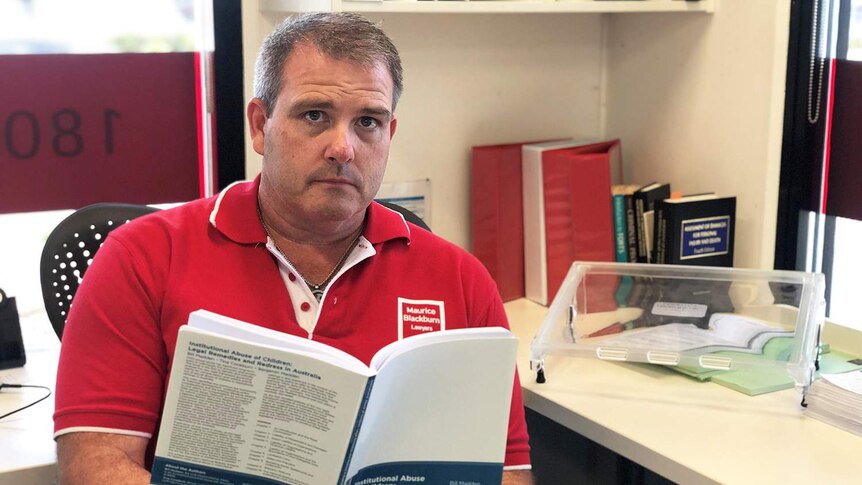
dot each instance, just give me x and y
(150, 274)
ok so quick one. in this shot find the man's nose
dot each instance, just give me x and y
(340, 148)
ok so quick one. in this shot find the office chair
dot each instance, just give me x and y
(408, 215)
(70, 248)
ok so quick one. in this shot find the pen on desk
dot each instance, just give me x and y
(610, 329)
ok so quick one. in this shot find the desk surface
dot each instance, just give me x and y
(685, 430)
(27, 451)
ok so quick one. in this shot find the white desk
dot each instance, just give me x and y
(682, 429)
(687, 431)
(27, 451)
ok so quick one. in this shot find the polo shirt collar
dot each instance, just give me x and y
(235, 215)
(384, 224)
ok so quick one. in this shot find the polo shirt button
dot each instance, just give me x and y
(305, 306)
(291, 276)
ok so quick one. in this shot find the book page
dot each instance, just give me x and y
(231, 327)
(439, 413)
(649, 237)
(237, 412)
(725, 332)
(398, 347)
(848, 381)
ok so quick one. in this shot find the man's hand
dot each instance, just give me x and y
(85, 458)
(518, 477)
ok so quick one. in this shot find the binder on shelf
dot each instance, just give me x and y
(567, 210)
(497, 221)
(695, 230)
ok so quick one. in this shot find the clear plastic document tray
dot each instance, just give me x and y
(694, 317)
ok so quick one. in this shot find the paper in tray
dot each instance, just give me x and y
(697, 318)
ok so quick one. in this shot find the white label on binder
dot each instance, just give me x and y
(670, 309)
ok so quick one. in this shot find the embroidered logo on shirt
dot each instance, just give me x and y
(420, 316)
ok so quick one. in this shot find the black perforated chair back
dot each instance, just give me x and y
(409, 215)
(70, 248)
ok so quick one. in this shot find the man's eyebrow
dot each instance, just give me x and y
(382, 112)
(311, 105)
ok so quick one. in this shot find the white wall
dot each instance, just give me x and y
(480, 79)
(698, 100)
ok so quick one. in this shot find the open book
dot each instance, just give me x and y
(246, 404)
(725, 332)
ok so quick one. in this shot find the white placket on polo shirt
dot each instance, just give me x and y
(305, 305)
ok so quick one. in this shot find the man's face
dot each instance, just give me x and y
(326, 143)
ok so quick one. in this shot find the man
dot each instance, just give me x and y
(301, 249)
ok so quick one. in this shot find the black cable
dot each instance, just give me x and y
(19, 386)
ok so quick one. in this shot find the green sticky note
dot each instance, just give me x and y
(755, 382)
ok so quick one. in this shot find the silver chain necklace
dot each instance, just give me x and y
(316, 289)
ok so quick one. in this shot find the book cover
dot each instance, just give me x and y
(625, 239)
(567, 211)
(496, 215)
(644, 204)
(695, 230)
(275, 408)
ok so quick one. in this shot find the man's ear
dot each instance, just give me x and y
(392, 125)
(256, 114)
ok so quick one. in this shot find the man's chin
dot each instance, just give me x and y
(340, 210)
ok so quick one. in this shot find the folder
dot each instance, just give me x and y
(497, 223)
(567, 211)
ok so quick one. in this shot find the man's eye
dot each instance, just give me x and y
(314, 116)
(367, 122)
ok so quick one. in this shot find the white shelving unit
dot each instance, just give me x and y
(487, 6)
(695, 90)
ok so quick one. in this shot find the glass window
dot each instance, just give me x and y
(100, 101)
(822, 162)
(854, 45)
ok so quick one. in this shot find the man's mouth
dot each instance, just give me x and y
(335, 181)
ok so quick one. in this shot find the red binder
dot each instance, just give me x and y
(568, 214)
(497, 224)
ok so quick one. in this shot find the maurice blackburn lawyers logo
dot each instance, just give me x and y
(420, 316)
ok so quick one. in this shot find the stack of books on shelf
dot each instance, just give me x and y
(837, 399)
(654, 225)
(537, 207)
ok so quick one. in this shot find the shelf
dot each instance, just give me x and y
(487, 6)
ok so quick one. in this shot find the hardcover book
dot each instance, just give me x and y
(696, 230)
(644, 202)
(246, 404)
(625, 235)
